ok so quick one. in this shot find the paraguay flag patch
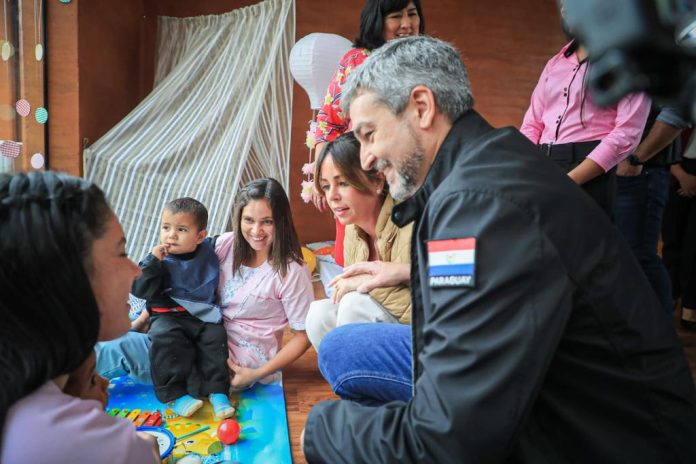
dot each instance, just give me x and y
(452, 263)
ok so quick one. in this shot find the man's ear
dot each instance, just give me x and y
(423, 102)
(201, 236)
(381, 181)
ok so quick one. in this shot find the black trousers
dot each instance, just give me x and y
(679, 241)
(187, 356)
(602, 188)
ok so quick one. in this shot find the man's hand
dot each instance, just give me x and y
(160, 251)
(381, 274)
(626, 169)
(687, 185)
(687, 182)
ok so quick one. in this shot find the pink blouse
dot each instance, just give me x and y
(50, 426)
(257, 304)
(554, 114)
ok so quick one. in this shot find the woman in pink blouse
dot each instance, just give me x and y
(584, 139)
(264, 285)
(380, 22)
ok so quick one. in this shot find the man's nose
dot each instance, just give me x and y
(367, 160)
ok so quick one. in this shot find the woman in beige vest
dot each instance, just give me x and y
(360, 201)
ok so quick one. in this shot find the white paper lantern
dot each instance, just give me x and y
(314, 60)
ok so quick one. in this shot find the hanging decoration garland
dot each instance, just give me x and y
(6, 48)
(41, 115)
(23, 108)
(308, 167)
(37, 161)
(38, 48)
(10, 149)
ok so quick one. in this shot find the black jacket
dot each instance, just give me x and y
(191, 277)
(559, 352)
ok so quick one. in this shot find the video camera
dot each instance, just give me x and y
(638, 45)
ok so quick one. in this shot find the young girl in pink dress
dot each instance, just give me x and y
(264, 285)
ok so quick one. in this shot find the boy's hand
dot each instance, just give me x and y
(160, 251)
(142, 322)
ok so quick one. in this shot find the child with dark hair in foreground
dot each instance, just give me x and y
(179, 281)
(85, 383)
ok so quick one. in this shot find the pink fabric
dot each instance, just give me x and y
(50, 426)
(619, 127)
(256, 314)
(331, 121)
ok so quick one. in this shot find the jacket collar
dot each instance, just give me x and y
(382, 226)
(460, 140)
(384, 213)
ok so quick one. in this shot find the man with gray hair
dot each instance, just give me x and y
(531, 340)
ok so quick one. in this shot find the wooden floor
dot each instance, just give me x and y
(304, 387)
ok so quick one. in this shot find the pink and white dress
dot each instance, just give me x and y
(257, 304)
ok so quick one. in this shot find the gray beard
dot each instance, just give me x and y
(407, 174)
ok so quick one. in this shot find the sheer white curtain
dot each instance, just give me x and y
(219, 116)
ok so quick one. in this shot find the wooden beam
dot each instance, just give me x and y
(64, 145)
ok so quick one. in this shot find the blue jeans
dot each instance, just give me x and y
(368, 363)
(128, 355)
(640, 202)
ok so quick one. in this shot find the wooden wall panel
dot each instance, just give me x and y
(504, 44)
(109, 51)
(63, 87)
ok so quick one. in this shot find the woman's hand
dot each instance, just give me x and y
(347, 284)
(242, 377)
(319, 200)
(153, 442)
(585, 171)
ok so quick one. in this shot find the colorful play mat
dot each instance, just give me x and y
(260, 413)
